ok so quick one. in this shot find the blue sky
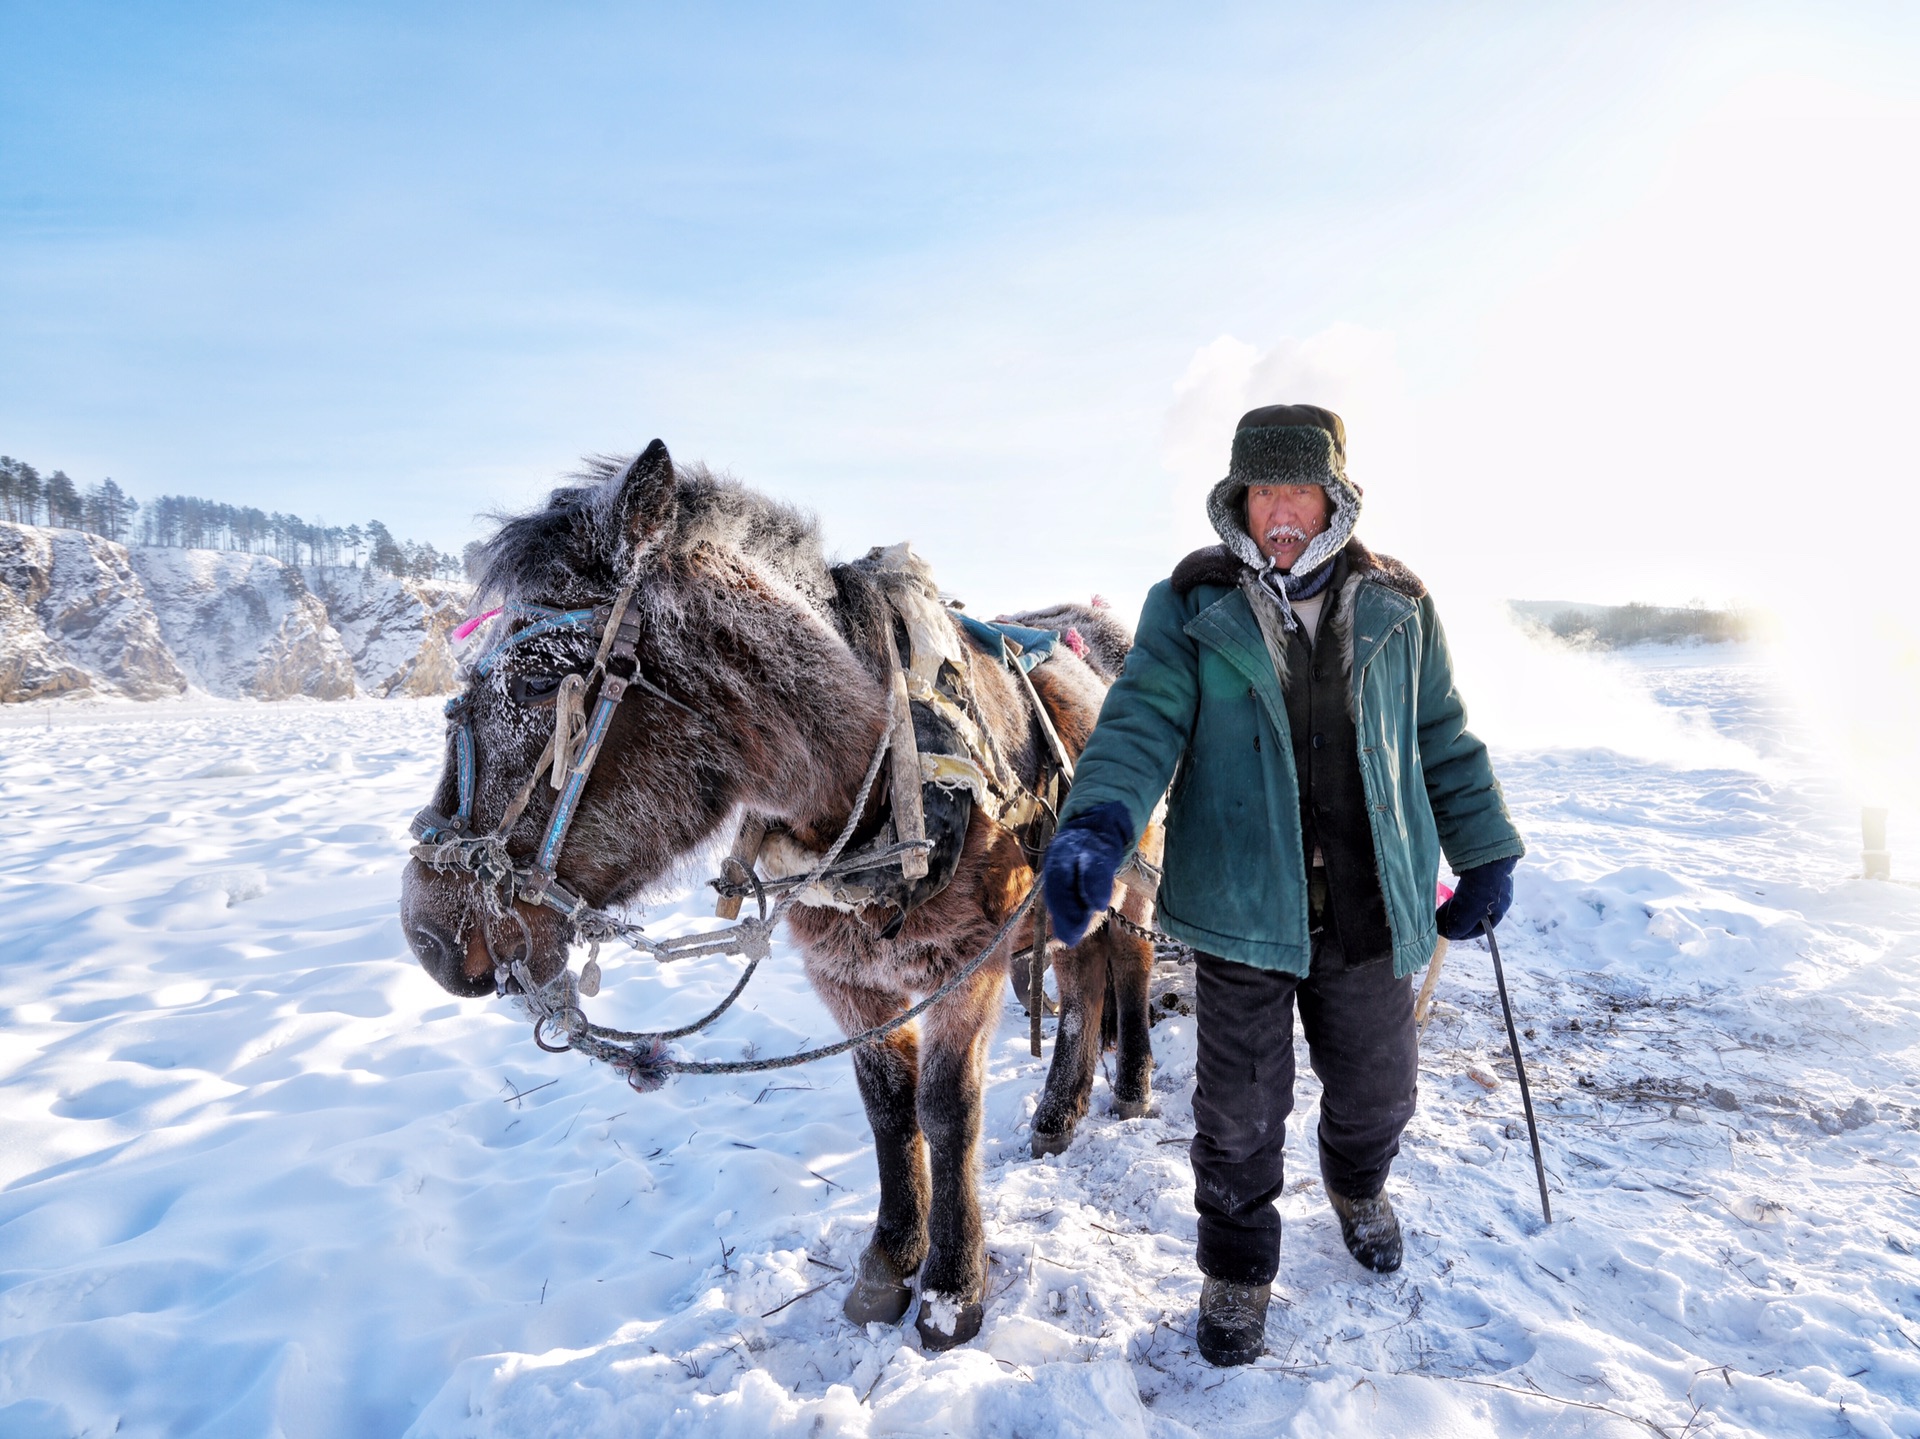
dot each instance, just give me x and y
(995, 279)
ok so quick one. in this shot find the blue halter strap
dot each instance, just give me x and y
(447, 842)
(429, 825)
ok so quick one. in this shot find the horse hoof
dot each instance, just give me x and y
(879, 1295)
(947, 1321)
(1136, 1108)
(1047, 1141)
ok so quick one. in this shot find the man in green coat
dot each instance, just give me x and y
(1296, 691)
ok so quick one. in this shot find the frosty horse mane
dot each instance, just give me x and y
(768, 678)
(571, 550)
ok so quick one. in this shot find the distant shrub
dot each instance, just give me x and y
(1610, 627)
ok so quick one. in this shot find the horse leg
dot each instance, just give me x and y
(1108, 959)
(952, 1077)
(1130, 968)
(888, 1075)
(1082, 973)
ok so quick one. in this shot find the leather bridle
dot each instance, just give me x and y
(446, 843)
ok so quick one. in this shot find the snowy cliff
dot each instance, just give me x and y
(244, 624)
(82, 615)
(74, 616)
(399, 631)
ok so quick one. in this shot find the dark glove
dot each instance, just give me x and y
(1076, 877)
(1483, 894)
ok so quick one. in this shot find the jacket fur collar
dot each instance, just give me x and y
(1216, 566)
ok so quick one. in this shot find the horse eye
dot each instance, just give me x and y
(534, 689)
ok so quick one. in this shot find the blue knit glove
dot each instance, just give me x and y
(1484, 893)
(1077, 874)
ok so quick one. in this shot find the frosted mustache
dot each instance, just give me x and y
(1286, 534)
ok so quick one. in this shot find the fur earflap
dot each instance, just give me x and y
(1284, 454)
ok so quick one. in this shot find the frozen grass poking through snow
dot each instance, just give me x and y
(262, 1176)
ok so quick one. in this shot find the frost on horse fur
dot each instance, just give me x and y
(781, 663)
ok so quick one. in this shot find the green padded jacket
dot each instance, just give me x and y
(1198, 695)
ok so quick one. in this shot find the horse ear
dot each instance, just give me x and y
(648, 500)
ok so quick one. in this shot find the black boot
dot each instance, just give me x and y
(1233, 1321)
(1371, 1230)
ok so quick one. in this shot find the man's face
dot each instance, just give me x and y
(1283, 519)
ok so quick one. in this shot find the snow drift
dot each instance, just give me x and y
(263, 1177)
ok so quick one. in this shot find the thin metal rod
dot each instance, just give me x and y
(1520, 1068)
(1037, 974)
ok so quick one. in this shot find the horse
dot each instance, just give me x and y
(762, 677)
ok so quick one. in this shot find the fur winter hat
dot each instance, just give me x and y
(1286, 445)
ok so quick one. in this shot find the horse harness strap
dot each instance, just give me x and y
(999, 794)
(444, 842)
(932, 785)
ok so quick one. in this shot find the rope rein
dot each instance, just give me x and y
(648, 1068)
(445, 844)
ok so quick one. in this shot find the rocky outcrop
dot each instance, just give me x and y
(74, 616)
(82, 615)
(398, 631)
(30, 664)
(244, 624)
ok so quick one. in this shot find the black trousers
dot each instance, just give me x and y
(1365, 1050)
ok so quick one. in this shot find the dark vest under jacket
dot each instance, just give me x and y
(1333, 803)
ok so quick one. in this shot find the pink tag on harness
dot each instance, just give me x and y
(473, 624)
(1445, 893)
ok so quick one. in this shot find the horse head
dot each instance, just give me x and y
(740, 692)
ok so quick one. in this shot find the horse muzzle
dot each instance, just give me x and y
(443, 935)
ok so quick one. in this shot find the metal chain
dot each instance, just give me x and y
(1139, 931)
(648, 1068)
(558, 999)
(554, 1007)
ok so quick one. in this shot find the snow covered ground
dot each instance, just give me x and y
(260, 1176)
